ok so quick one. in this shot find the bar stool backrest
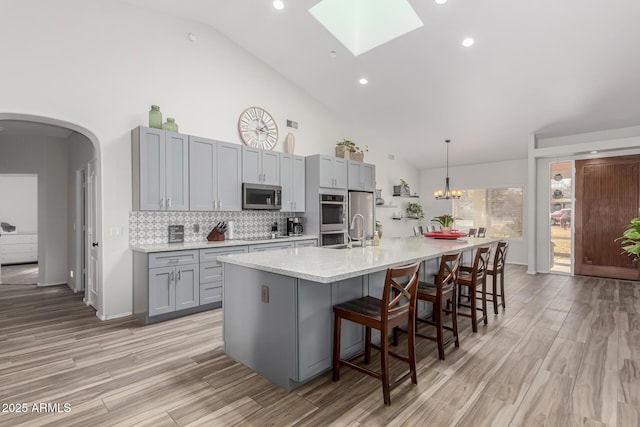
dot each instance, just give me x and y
(448, 273)
(472, 232)
(399, 299)
(500, 256)
(482, 231)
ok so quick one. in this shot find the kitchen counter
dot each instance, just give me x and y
(324, 265)
(278, 306)
(163, 247)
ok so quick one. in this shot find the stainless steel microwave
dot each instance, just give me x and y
(260, 196)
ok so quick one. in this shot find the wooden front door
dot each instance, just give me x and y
(607, 197)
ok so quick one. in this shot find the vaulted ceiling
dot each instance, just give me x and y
(552, 67)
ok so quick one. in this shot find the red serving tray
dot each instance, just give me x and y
(439, 235)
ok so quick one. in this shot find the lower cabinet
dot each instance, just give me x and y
(211, 274)
(173, 288)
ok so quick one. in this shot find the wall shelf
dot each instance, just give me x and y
(386, 206)
(415, 196)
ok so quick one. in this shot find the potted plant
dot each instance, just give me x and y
(445, 221)
(402, 189)
(350, 150)
(631, 238)
(414, 210)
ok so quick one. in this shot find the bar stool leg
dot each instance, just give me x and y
(495, 292)
(367, 344)
(484, 298)
(384, 367)
(411, 343)
(336, 348)
(439, 332)
(502, 288)
(474, 312)
(454, 319)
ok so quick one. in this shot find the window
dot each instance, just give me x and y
(497, 209)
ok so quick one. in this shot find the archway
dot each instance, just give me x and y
(48, 132)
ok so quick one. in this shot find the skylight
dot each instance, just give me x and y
(361, 25)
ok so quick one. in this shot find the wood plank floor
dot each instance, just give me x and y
(565, 352)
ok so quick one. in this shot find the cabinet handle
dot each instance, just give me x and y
(162, 203)
(179, 274)
(171, 277)
(173, 260)
(219, 203)
(168, 202)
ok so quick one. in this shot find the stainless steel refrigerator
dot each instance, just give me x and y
(361, 203)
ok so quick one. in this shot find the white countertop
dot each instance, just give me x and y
(325, 265)
(163, 247)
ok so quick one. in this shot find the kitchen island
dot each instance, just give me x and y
(278, 306)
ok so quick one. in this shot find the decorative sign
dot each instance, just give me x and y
(176, 234)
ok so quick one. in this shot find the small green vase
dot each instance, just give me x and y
(155, 117)
(170, 125)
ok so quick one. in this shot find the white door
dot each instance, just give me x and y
(93, 235)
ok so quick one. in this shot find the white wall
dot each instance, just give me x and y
(511, 173)
(100, 65)
(19, 201)
(46, 157)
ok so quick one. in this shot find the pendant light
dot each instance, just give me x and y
(447, 193)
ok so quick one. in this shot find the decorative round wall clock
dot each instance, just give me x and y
(257, 128)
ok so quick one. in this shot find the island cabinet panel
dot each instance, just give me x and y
(315, 324)
(259, 317)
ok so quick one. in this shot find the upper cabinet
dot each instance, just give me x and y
(160, 170)
(327, 171)
(292, 180)
(214, 175)
(260, 166)
(362, 176)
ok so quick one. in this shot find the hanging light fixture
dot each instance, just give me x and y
(447, 193)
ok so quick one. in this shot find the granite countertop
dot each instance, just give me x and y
(326, 265)
(163, 247)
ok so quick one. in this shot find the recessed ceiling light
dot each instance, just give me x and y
(333, 54)
(441, 1)
(594, 152)
(363, 81)
(468, 42)
(193, 37)
(278, 4)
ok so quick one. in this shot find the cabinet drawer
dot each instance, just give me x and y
(19, 248)
(8, 239)
(210, 293)
(210, 272)
(167, 259)
(270, 247)
(305, 243)
(213, 253)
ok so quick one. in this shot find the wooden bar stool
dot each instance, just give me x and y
(417, 230)
(472, 232)
(441, 292)
(482, 232)
(469, 278)
(499, 260)
(397, 307)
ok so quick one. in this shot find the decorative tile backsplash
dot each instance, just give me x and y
(152, 227)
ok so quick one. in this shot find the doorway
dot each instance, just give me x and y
(560, 210)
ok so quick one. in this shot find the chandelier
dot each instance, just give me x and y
(447, 194)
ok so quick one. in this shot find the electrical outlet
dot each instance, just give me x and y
(265, 294)
(292, 124)
(115, 231)
(391, 157)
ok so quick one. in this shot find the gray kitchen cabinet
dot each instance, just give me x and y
(305, 243)
(270, 246)
(332, 170)
(160, 162)
(361, 176)
(211, 273)
(165, 284)
(260, 166)
(214, 175)
(292, 180)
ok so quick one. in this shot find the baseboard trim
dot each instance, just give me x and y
(113, 316)
(51, 284)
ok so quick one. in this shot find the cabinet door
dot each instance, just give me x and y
(162, 294)
(368, 177)
(187, 286)
(152, 169)
(340, 173)
(202, 174)
(270, 168)
(354, 179)
(251, 171)
(298, 184)
(286, 170)
(229, 177)
(177, 171)
(326, 171)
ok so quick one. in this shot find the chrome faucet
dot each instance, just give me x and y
(353, 223)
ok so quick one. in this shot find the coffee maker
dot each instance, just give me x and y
(294, 226)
